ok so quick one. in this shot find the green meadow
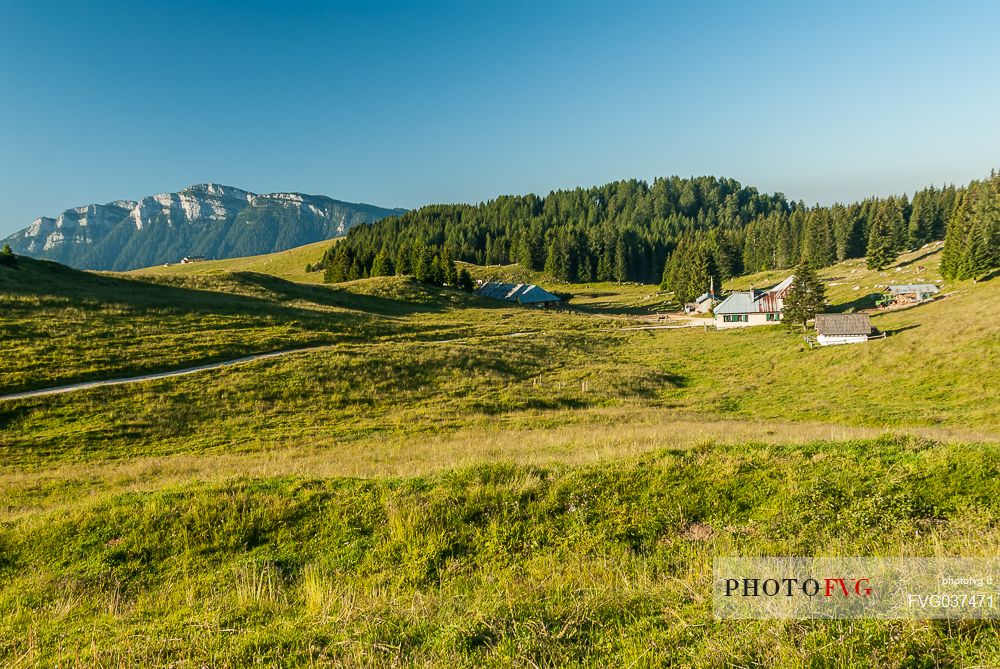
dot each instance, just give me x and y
(455, 482)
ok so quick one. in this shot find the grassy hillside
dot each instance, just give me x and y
(289, 265)
(61, 325)
(495, 565)
(459, 482)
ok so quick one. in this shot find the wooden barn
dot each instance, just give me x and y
(836, 329)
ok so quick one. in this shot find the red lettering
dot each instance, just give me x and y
(832, 582)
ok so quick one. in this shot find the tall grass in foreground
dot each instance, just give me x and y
(496, 565)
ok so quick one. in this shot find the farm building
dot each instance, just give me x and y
(187, 260)
(752, 307)
(527, 294)
(835, 329)
(912, 293)
(702, 305)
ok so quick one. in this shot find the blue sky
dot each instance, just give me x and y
(403, 104)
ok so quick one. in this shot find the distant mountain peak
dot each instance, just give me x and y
(207, 219)
(218, 190)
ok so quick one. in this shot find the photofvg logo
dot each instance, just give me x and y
(856, 587)
(791, 587)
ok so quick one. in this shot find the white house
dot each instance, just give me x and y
(752, 307)
(836, 329)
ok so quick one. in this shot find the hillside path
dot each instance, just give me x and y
(85, 385)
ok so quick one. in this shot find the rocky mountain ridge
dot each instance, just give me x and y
(208, 220)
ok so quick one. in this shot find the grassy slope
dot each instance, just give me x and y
(495, 565)
(207, 520)
(60, 325)
(289, 265)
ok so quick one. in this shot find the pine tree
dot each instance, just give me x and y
(381, 266)
(881, 239)
(7, 257)
(921, 221)
(665, 282)
(954, 240)
(419, 260)
(465, 281)
(704, 273)
(819, 247)
(691, 270)
(979, 254)
(523, 252)
(604, 265)
(435, 273)
(340, 265)
(898, 210)
(552, 259)
(356, 271)
(448, 270)
(976, 258)
(806, 296)
(403, 258)
(620, 269)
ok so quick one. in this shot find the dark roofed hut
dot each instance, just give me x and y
(527, 294)
(836, 329)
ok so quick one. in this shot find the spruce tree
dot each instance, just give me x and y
(665, 283)
(806, 296)
(819, 246)
(524, 253)
(403, 261)
(339, 267)
(7, 257)
(465, 280)
(552, 259)
(898, 209)
(979, 254)
(448, 270)
(881, 239)
(381, 266)
(435, 274)
(620, 268)
(419, 260)
(704, 273)
(921, 221)
(954, 240)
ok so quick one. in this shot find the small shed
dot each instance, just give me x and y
(912, 293)
(187, 260)
(835, 329)
(527, 294)
(702, 305)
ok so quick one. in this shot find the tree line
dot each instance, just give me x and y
(972, 242)
(682, 233)
(423, 262)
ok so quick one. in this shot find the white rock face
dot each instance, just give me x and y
(180, 220)
(203, 202)
(73, 225)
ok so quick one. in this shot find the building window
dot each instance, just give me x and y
(774, 317)
(735, 318)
